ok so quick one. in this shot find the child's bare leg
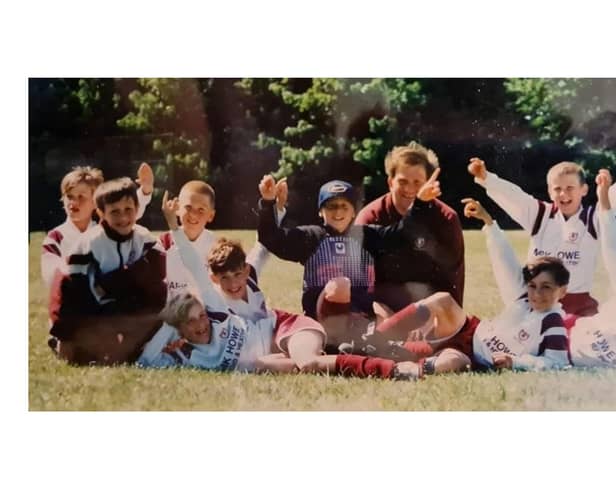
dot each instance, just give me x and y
(449, 315)
(325, 363)
(382, 312)
(304, 346)
(275, 363)
(400, 324)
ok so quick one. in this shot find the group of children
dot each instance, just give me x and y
(119, 295)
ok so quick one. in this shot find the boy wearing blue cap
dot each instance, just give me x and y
(339, 249)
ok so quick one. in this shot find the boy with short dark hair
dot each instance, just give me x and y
(115, 279)
(77, 192)
(237, 277)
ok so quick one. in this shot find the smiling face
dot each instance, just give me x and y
(196, 328)
(544, 292)
(195, 212)
(566, 191)
(405, 184)
(338, 213)
(78, 202)
(233, 282)
(121, 215)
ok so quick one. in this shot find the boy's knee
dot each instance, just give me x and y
(441, 298)
(451, 360)
(338, 290)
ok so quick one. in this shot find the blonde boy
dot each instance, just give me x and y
(196, 210)
(563, 228)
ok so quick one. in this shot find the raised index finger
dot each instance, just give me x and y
(434, 176)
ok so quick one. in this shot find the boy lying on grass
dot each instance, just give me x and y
(200, 330)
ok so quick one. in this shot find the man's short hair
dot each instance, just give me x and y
(176, 310)
(92, 177)
(552, 265)
(226, 256)
(201, 187)
(413, 154)
(113, 190)
(566, 168)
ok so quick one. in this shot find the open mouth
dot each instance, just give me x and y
(234, 291)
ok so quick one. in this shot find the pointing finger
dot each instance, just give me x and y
(434, 176)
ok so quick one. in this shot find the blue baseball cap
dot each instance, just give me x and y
(337, 188)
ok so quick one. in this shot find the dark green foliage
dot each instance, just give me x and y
(232, 131)
(577, 113)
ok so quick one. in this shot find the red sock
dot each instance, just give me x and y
(354, 365)
(398, 326)
(421, 349)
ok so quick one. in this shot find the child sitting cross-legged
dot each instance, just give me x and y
(106, 306)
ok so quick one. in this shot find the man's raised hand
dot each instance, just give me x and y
(431, 189)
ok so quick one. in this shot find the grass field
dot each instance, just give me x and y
(54, 385)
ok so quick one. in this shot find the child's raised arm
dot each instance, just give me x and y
(145, 179)
(603, 181)
(505, 265)
(473, 208)
(522, 207)
(607, 225)
(294, 244)
(258, 254)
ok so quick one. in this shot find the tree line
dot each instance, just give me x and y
(232, 131)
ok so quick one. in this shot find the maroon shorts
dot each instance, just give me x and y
(463, 339)
(580, 305)
(288, 324)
